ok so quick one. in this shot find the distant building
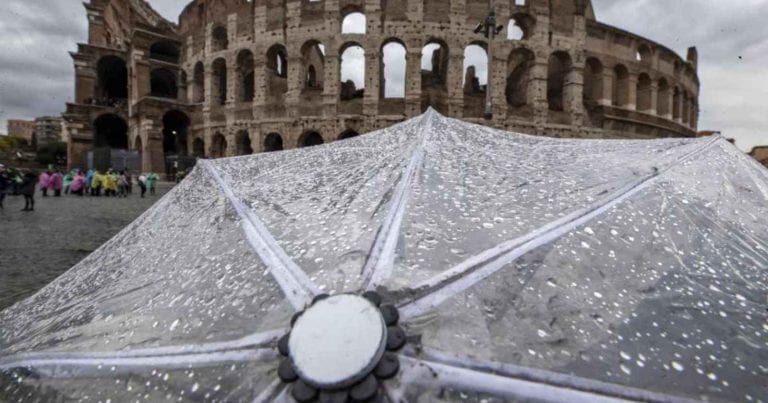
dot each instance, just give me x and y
(48, 130)
(22, 130)
(760, 153)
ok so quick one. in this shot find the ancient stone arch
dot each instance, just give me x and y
(519, 65)
(620, 86)
(276, 67)
(559, 67)
(245, 76)
(273, 142)
(219, 81)
(310, 138)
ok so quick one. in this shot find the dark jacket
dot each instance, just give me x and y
(5, 182)
(29, 184)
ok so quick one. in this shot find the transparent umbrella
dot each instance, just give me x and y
(435, 260)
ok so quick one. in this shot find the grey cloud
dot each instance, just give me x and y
(36, 72)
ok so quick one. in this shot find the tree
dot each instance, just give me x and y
(52, 154)
(8, 143)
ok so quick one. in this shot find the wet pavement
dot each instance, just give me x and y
(36, 247)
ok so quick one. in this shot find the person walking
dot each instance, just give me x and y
(28, 190)
(88, 181)
(112, 182)
(152, 179)
(106, 183)
(122, 185)
(143, 185)
(56, 183)
(129, 177)
(96, 183)
(5, 184)
(68, 178)
(45, 181)
(78, 184)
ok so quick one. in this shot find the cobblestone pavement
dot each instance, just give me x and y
(36, 247)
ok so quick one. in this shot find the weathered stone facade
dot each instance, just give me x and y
(242, 76)
(760, 153)
(22, 130)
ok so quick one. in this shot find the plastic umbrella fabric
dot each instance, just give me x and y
(518, 267)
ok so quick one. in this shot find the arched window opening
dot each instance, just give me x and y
(644, 103)
(520, 27)
(620, 86)
(310, 139)
(313, 60)
(183, 94)
(162, 83)
(644, 54)
(662, 104)
(245, 76)
(393, 70)
(165, 51)
(138, 145)
(514, 32)
(219, 39)
(198, 148)
(434, 64)
(593, 82)
(519, 68)
(277, 61)
(348, 134)
(273, 142)
(175, 128)
(557, 74)
(475, 70)
(243, 140)
(694, 114)
(219, 82)
(110, 131)
(218, 146)
(685, 113)
(112, 82)
(352, 72)
(353, 23)
(311, 80)
(676, 104)
(198, 84)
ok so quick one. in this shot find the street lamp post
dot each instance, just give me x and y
(489, 30)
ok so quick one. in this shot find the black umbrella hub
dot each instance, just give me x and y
(337, 348)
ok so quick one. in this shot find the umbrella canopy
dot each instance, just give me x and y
(462, 263)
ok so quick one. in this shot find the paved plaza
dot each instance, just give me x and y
(36, 247)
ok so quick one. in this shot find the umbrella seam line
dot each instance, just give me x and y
(243, 354)
(294, 282)
(480, 266)
(545, 376)
(254, 341)
(379, 267)
(587, 387)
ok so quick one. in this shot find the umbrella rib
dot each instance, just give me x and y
(236, 350)
(445, 285)
(95, 366)
(296, 285)
(517, 382)
(381, 258)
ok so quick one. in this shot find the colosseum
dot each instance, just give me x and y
(235, 77)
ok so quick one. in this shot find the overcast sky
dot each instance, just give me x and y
(37, 76)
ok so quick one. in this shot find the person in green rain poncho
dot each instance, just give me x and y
(152, 179)
(68, 178)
